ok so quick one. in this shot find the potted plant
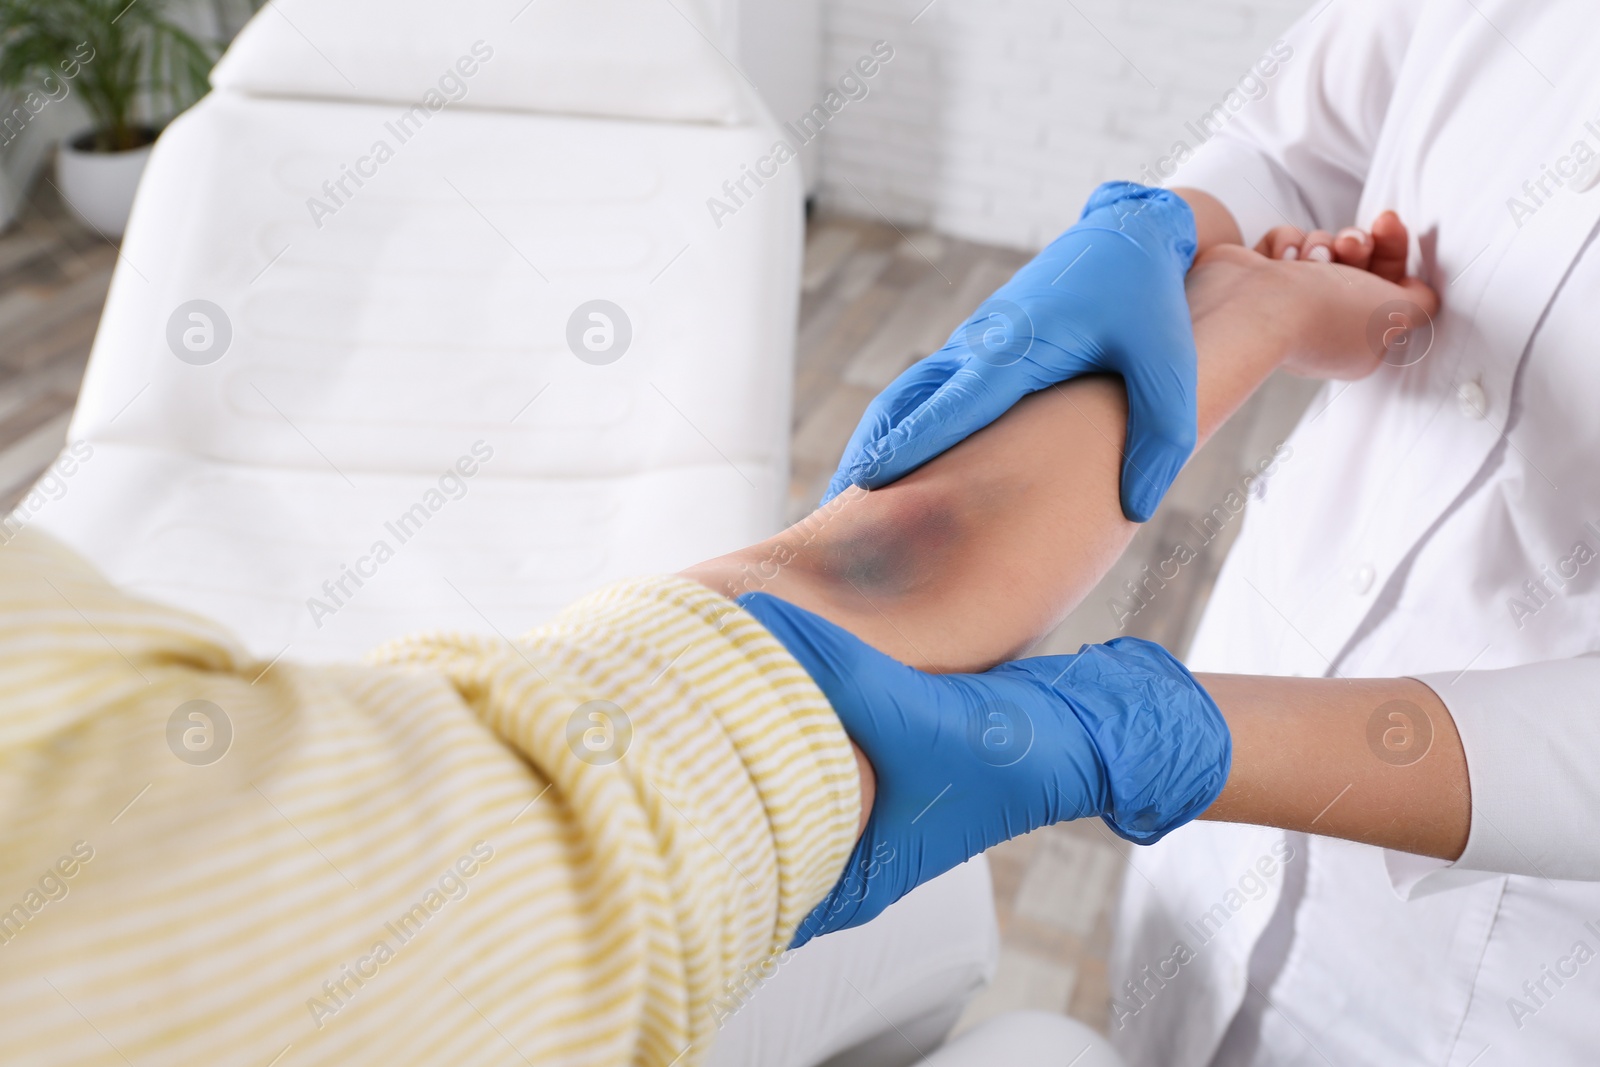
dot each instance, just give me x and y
(129, 65)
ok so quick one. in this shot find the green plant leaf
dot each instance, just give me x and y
(144, 69)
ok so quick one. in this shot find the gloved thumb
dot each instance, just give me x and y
(1162, 430)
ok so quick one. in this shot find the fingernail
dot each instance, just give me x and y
(1351, 231)
(1320, 253)
(1291, 252)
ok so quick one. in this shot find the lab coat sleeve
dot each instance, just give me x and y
(1300, 153)
(1532, 740)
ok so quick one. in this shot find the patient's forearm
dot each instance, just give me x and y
(1214, 224)
(969, 560)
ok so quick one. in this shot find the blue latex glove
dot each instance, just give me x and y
(965, 761)
(1107, 295)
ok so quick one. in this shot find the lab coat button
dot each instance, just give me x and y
(1472, 401)
(1361, 578)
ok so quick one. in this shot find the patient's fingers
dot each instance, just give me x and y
(1353, 248)
(1422, 294)
(1317, 247)
(1390, 241)
(1281, 242)
(1382, 250)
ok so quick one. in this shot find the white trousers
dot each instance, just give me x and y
(886, 994)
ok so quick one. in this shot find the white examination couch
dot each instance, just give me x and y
(367, 326)
(379, 330)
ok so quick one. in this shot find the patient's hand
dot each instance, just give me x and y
(1339, 310)
(1381, 251)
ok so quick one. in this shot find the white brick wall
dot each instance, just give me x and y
(996, 118)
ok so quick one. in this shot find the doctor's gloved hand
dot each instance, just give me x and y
(1107, 295)
(966, 761)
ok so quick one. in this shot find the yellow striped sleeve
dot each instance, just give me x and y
(564, 849)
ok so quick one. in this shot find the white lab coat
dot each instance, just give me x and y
(1440, 521)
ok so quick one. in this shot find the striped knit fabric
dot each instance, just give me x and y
(559, 850)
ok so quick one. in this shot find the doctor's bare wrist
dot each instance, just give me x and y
(1375, 760)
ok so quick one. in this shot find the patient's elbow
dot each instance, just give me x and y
(888, 543)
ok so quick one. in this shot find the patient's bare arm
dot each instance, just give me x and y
(970, 559)
(965, 562)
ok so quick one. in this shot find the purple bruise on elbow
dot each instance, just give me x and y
(894, 550)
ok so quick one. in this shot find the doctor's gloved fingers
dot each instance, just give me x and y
(1153, 216)
(836, 485)
(903, 396)
(962, 406)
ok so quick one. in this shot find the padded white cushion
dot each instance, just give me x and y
(251, 546)
(369, 354)
(645, 59)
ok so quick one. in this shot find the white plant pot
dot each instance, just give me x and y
(99, 186)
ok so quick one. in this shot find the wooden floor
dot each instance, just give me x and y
(53, 278)
(874, 299)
